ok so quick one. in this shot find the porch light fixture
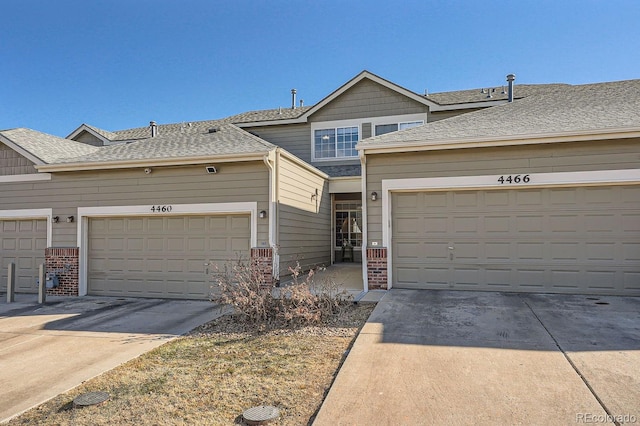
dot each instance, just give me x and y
(69, 219)
(55, 219)
(263, 214)
(374, 196)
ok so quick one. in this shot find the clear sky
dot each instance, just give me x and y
(118, 64)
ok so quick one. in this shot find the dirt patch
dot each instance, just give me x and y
(214, 373)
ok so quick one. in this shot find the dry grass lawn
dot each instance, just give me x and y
(215, 373)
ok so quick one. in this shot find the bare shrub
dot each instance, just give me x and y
(306, 300)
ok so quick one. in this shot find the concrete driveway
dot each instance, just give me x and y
(445, 357)
(48, 349)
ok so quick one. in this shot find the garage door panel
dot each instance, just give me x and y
(600, 280)
(529, 251)
(497, 224)
(631, 252)
(23, 242)
(164, 256)
(559, 240)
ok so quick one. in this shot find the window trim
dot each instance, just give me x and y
(334, 125)
(386, 119)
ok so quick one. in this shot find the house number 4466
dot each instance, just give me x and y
(514, 179)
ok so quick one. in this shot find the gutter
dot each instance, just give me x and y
(488, 141)
(182, 161)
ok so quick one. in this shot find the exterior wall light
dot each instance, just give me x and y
(55, 219)
(69, 219)
(263, 214)
(374, 196)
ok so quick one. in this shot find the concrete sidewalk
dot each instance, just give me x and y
(48, 349)
(442, 357)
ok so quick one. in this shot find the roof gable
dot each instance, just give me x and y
(564, 112)
(42, 148)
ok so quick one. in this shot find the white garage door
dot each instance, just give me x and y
(23, 242)
(162, 257)
(563, 240)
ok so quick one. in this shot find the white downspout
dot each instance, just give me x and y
(270, 160)
(365, 222)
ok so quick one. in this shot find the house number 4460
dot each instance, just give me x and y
(161, 209)
(514, 179)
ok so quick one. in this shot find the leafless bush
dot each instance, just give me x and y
(306, 300)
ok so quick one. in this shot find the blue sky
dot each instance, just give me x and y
(118, 64)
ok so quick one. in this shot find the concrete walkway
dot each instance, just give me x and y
(443, 357)
(48, 349)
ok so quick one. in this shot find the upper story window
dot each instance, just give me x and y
(381, 129)
(336, 142)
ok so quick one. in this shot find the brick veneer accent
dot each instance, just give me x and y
(377, 268)
(64, 263)
(262, 262)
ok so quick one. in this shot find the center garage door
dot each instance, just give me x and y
(22, 242)
(562, 240)
(162, 257)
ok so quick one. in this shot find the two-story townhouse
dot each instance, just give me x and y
(150, 211)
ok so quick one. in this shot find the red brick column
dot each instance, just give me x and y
(377, 268)
(64, 263)
(262, 265)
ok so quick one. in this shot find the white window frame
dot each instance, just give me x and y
(388, 119)
(333, 125)
(396, 119)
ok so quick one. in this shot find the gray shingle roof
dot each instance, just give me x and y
(341, 170)
(48, 148)
(227, 140)
(562, 109)
(497, 93)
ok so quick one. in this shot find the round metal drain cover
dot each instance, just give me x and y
(260, 415)
(90, 398)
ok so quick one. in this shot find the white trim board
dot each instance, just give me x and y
(84, 213)
(461, 183)
(31, 177)
(46, 214)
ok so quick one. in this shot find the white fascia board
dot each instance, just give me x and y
(17, 148)
(339, 185)
(31, 177)
(442, 144)
(46, 214)
(153, 162)
(84, 213)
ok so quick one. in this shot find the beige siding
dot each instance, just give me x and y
(234, 182)
(295, 138)
(368, 99)
(12, 163)
(88, 138)
(559, 157)
(304, 223)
